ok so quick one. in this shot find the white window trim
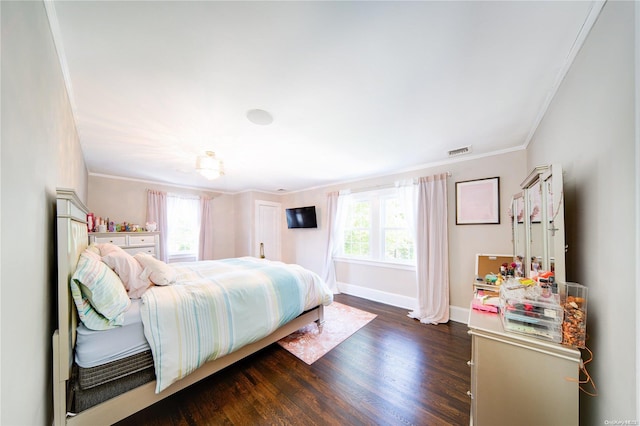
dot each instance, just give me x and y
(184, 256)
(372, 218)
(375, 198)
(377, 263)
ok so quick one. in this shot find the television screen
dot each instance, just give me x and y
(302, 217)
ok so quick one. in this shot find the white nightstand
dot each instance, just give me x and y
(131, 242)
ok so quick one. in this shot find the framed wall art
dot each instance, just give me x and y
(478, 202)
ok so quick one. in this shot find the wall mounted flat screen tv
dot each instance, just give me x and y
(302, 217)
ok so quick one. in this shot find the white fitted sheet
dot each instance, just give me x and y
(95, 348)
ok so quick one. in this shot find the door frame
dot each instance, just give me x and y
(277, 226)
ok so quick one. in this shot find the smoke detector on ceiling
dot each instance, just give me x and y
(460, 151)
(259, 117)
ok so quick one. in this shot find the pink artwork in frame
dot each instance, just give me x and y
(478, 201)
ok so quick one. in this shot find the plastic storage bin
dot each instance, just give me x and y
(574, 326)
(525, 310)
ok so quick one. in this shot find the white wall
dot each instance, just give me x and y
(40, 151)
(307, 248)
(122, 199)
(590, 130)
(126, 200)
(244, 220)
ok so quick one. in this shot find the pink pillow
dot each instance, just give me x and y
(127, 268)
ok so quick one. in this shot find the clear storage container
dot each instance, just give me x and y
(574, 326)
(532, 311)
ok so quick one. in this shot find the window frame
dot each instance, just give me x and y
(191, 255)
(369, 229)
(384, 228)
(376, 257)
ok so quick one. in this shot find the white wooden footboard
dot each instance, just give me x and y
(141, 397)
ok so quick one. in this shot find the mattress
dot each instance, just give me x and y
(95, 376)
(95, 348)
(93, 395)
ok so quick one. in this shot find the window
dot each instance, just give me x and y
(376, 229)
(397, 240)
(357, 235)
(183, 228)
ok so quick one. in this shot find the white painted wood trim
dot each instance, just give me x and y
(255, 243)
(456, 313)
(378, 295)
(637, 179)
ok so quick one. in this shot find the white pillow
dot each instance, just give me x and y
(127, 269)
(159, 272)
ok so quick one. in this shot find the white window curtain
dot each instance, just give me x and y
(336, 215)
(205, 251)
(157, 212)
(432, 251)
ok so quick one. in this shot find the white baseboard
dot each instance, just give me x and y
(456, 313)
(378, 296)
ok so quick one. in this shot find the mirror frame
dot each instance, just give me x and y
(549, 178)
(515, 239)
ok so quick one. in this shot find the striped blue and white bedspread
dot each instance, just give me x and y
(216, 307)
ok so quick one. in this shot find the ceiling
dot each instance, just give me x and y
(355, 89)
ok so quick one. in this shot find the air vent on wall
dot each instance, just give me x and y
(460, 151)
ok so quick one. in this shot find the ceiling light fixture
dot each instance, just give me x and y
(209, 166)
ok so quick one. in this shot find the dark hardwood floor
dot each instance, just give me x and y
(393, 371)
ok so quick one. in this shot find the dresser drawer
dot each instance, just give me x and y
(119, 241)
(131, 242)
(141, 240)
(133, 250)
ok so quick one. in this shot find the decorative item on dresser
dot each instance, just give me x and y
(131, 242)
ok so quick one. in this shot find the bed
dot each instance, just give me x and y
(149, 354)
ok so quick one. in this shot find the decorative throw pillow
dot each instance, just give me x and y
(127, 268)
(159, 272)
(98, 294)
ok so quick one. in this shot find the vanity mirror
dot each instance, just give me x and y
(517, 207)
(538, 222)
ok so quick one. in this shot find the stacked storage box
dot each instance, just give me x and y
(531, 310)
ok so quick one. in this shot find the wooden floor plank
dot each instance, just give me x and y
(392, 371)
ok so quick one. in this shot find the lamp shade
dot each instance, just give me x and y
(209, 166)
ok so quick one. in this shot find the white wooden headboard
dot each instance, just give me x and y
(72, 236)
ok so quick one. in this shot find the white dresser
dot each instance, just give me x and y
(131, 242)
(520, 380)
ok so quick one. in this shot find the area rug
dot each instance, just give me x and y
(341, 321)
